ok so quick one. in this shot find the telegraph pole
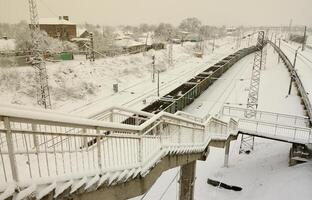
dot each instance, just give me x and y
(292, 73)
(304, 38)
(37, 59)
(247, 142)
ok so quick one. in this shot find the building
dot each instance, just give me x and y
(60, 27)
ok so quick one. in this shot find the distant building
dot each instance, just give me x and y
(231, 31)
(60, 27)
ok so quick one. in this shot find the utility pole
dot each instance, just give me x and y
(153, 69)
(37, 59)
(289, 28)
(158, 83)
(304, 38)
(247, 142)
(279, 46)
(213, 43)
(292, 73)
(91, 48)
(170, 49)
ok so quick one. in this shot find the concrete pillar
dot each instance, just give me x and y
(187, 181)
(226, 153)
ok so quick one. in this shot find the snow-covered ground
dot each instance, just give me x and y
(263, 174)
(303, 63)
(7, 45)
(78, 82)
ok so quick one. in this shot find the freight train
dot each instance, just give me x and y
(186, 93)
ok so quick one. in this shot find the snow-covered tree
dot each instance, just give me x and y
(163, 31)
(190, 25)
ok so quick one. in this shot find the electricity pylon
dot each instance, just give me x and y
(37, 60)
(247, 142)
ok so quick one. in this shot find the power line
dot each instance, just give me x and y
(48, 7)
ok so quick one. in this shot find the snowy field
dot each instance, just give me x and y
(263, 174)
(82, 88)
(79, 85)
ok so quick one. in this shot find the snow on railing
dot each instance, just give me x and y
(121, 115)
(295, 76)
(40, 147)
(265, 116)
(288, 133)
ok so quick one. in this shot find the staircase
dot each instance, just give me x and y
(45, 154)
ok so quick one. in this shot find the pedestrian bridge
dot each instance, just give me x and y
(49, 154)
(274, 126)
(117, 153)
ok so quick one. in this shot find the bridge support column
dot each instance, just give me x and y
(226, 153)
(187, 181)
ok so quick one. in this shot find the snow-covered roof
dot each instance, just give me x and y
(53, 21)
(127, 43)
(80, 30)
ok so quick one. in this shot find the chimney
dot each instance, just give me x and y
(66, 18)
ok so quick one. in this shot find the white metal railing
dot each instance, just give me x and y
(298, 82)
(265, 116)
(38, 146)
(288, 133)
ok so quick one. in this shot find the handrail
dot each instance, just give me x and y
(297, 79)
(294, 134)
(58, 145)
(266, 116)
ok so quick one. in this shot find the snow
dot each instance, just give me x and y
(264, 174)
(54, 21)
(303, 64)
(7, 45)
(78, 82)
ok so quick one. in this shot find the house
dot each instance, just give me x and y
(59, 27)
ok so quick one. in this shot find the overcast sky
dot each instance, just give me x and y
(134, 12)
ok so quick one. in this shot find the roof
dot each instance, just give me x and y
(127, 43)
(55, 21)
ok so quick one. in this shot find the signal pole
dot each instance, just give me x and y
(247, 142)
(37, 59)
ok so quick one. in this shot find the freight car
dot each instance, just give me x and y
(186, 93)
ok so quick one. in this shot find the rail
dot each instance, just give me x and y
(266, 116)
(39, 147)
(296, 79)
